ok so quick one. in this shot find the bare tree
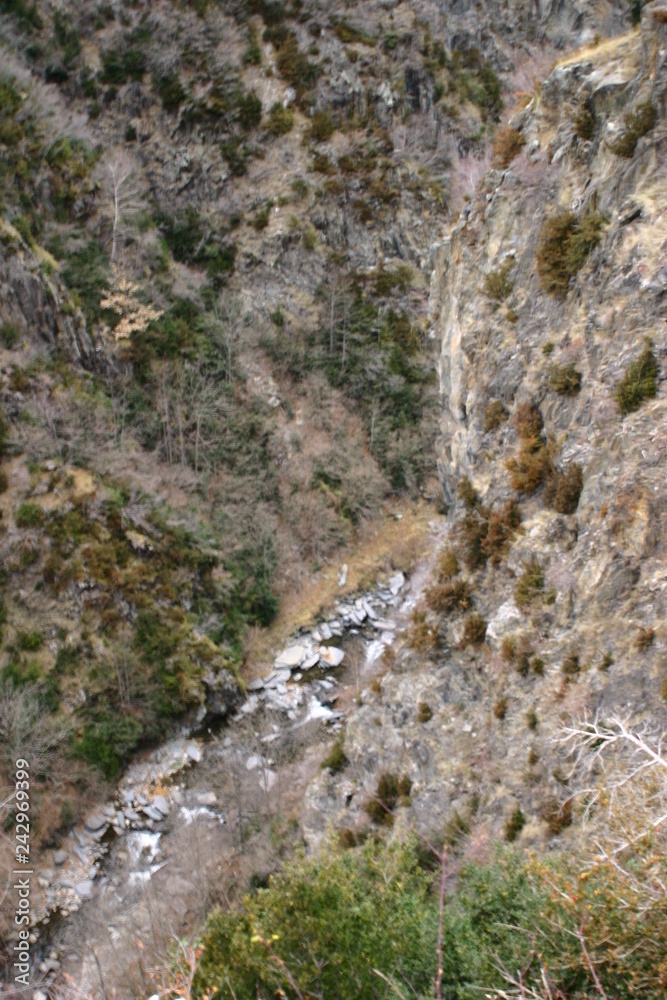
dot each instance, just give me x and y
(123, 197)
(224, 328)
(25, 729)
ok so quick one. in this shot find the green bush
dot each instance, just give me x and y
(260, 219)
(391, 791)
(566, 242)
(639, 382)
(253, 54)
(497, 284)
(119, 65)
(9, 335)
(325, 924)
(170, 90)
(514, 825)
(107, 741)
(249, 110)
(280, 120)
(29, 515)
(29, 641)
(322, 126)
(530, 585)
(335, 760)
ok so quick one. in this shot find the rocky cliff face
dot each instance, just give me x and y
(573, 600)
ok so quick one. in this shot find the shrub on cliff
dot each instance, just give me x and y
(636, 124)
(639, 382)
(507, 143)
(566, 241)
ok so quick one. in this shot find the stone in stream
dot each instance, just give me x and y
(60, 857)
(316, 635)
(250, 706)
(153, 813)
(206, 798)
(310, 662)
(368, 609)
(325, 631)
(194, 752)
(94, 823)
(384, 625)
(293, 656)
(277, 678)
(256, 685)
(84, 890)
(331, 656)
(396, 582)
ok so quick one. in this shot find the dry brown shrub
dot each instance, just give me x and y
(507, 143)
(443, 598)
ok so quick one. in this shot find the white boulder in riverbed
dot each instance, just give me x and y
(293, 656)
(331, 656)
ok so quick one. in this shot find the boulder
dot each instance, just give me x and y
(331, 656)
(293, 656)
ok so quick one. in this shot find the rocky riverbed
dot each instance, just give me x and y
(99, 890)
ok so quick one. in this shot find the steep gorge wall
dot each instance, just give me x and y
(472, 726)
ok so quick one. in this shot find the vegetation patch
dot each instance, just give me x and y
(474, 630)
(639, 383)
(495, 415)
(565, 380)
(636, 124)
(563, 489)
(530, 585)
(507, 144)
(391, 791)
(566, 241)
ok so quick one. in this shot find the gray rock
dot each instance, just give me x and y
(396, 583)
(153, 813)
(60, 857)
(293, 656)
(310, 662)
(206, 798)
(325, 631)
(277, 678)
(84, 890)
(194, 752)
(331, 655)
(82, 854)
(162, 803)
(95, 822)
